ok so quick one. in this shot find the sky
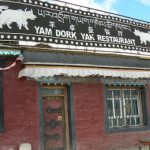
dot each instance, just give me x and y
(138, 9)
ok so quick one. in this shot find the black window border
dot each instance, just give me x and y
(145, 127)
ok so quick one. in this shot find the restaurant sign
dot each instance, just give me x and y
(33, 20)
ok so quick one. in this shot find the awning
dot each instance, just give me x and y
(37, 72)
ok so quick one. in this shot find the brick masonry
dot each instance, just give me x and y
(90, 121)
(21, 111)
(22, 116)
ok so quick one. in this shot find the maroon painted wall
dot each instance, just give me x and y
(21, 110)
(90, 121)
(22, 116)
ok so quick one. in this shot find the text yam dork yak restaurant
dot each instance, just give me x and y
(85, 85)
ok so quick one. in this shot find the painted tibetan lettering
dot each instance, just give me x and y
(20, 17)
(112, 39)
(62, 17)
(57, 24)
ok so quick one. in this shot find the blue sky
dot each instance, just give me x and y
(133, 8)
(139, 9)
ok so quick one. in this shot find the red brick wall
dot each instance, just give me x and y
(21, 105)
(90, 121)
(89, 110)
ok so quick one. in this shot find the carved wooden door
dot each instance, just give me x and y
(56, 132)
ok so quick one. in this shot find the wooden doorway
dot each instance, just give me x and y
(55, 118)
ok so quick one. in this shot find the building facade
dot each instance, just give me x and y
(84, 85)
(60, 100)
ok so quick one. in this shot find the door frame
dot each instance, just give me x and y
(67, 128)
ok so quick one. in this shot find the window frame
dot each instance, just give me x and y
(146, 115)
(2, 128)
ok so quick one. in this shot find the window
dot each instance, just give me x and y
(1, 104)
(125, 106)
